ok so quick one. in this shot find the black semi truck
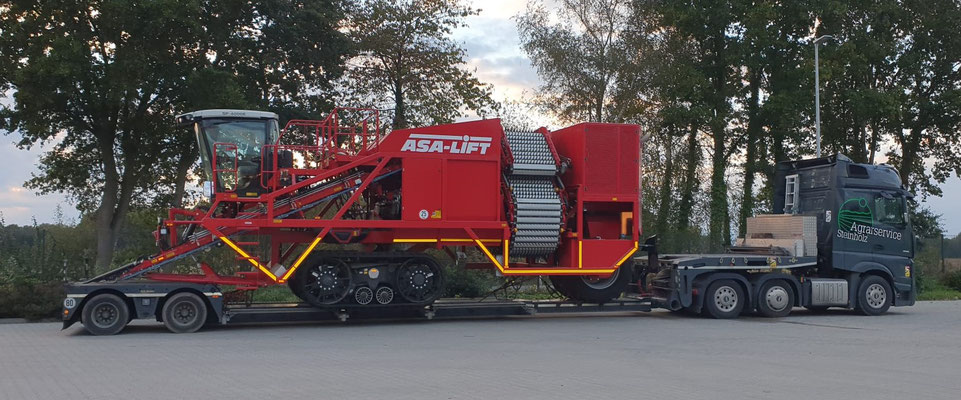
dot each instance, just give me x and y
(841, 237)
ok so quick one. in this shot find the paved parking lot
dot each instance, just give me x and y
(911, 353)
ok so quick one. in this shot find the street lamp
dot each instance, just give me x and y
(817, 91)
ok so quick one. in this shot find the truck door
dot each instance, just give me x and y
(890, 236)
(893, 243)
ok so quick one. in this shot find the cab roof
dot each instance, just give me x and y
(225, 113)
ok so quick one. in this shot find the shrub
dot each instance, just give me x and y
(31, 300)
(953, 280)
(462, 282)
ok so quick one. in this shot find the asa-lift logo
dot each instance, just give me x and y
(425, 143)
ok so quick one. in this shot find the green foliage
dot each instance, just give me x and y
(31, 300)
(408, 64)
(892, 78)
(953, 280)
(935, 290)
(462, 282)
(580, 52)
(102, 81)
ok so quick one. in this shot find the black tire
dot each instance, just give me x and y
(588, 289)
(322, 281)
(724, 299)
(184, 312)
(561, 286)
(775, 299)
(105, 314)
(419, 280)
(874, 295)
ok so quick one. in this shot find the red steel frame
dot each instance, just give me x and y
(356, 169)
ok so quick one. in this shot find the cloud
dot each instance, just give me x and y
(18, 204)
(494, 51)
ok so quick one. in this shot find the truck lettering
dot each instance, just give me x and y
(424, 143)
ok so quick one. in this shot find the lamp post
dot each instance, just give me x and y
(817, 91)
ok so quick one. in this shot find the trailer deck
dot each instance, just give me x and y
(443, 309)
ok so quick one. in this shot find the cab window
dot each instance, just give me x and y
(890, 210)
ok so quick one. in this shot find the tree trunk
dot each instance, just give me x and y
(718, 207)
(750, 162)
(686, 205)
(664, 197)
(720, 220)
(400, 109)
(183, 167)
(106, 235)
(909, 155)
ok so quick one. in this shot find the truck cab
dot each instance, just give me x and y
(863, 224)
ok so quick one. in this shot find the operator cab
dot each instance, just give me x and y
(231, 144)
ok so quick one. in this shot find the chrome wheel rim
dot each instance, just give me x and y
(776, 298)
(876, 295)
(725, 298)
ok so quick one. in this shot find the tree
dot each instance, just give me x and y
(715, 33)
(893, 78)
(581, 54)
(407, 63)
(277, 55)
(101, 84)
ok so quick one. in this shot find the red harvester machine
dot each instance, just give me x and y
(563, 203)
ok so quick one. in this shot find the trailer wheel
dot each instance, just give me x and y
(105, 314)
(591, 289)
(724, 299)
(874, 295)
(184, 312)
(775, 299)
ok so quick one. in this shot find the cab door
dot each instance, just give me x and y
(891, 237)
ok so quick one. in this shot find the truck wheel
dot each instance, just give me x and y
(184, 312)
(724, 299)
(105, 314)
(562, 285)
(775, 299)
(591, 289)
(874, 295)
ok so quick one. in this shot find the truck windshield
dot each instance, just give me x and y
(228, 139)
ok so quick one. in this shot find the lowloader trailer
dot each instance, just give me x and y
(344, 215)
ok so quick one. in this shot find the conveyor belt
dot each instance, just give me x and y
(532, 181)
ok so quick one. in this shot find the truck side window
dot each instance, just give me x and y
(890, 210)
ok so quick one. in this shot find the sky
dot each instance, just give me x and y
(494, 52)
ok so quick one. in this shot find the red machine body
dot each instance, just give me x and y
(431, 187)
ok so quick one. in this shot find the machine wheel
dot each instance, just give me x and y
(724, 299)
(775, 299)
(874, 295)
(419, 280)
(562, 285)
(591, 289)
(184, 312)
(323, 283)
(105, 314)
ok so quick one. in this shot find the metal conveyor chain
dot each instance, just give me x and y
(533, 189)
